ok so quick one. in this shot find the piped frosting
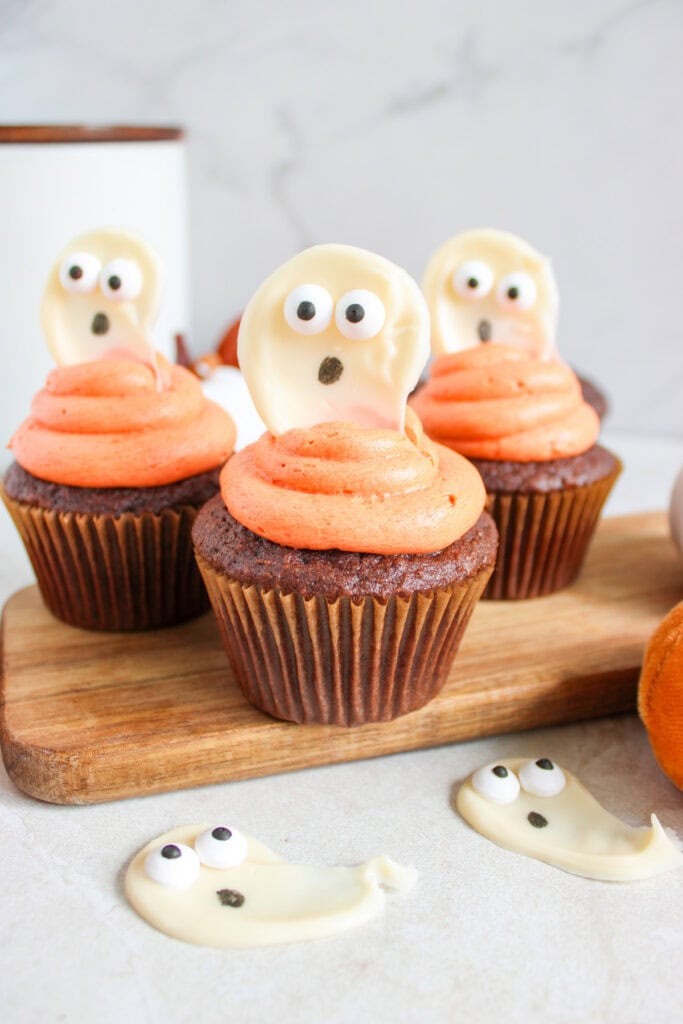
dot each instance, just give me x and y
(339, 485)
(106, 424)
(496, 402)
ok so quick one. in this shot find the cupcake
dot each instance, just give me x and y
(491, 286)
(345, 552)
(525, 426)
(118, 453)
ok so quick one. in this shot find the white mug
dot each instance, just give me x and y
(57, 182)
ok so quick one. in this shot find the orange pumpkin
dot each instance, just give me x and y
(227, 346)
(660, 694)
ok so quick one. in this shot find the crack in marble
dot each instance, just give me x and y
(280, 174)
(469, 75)
(587, 45)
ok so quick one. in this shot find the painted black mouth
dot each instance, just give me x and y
(330, 370)
(230, 897)
(100, 323)
(536, 819)
(484, 330)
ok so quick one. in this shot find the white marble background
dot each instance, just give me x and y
(393, 126)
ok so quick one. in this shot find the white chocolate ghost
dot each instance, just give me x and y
(101, 298)
(214, 886)
(536, 808)
(337, 333)
(676, 512)
(488, 285)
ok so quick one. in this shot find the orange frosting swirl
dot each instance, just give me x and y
(340, 485)
(496, 402)
(106, 424)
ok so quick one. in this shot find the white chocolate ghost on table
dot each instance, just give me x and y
(536, 808)
(101, 298)
(488, 285)
(214, 886)
(336, 333)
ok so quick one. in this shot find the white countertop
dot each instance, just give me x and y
(486, 936)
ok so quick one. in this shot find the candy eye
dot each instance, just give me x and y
(121, 280)
(308, 309)
(175, 865)
(516, 291)
(473, 279)
(359, 315)
(497, 783)
(79, 272)
(542, 777)
(221, 847)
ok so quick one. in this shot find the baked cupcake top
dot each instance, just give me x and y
(114, 413)
(497, 402)
(331, 345)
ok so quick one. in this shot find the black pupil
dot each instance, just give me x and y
(545, 763)
(170, 852)
(75, 272)
(305, 310)
(114, 282)
(472, 282)
(222, 833)
(355, 313)
(501, 771)
(513, 292)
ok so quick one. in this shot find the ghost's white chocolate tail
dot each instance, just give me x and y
(390, 874)
(666, 843)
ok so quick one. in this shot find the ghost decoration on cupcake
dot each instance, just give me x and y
(536, 808)
(101, 299)
(336, 333)
(211, 885)
(488, 285)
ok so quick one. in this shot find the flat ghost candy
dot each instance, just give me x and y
(102, 297)
(488, 285)
(258, 899)
(536, 808)
(335, 334)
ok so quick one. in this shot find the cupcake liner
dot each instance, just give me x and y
(124, 572)
(543, 538)
(336, 661)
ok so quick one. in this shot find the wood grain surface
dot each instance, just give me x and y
(87, 717)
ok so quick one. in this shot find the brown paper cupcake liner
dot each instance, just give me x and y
(124, 572)
(543, 538)
(335, 661)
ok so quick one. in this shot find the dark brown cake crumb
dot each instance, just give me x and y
(232, 549)
(594, 396)
(30, 490)
(542, 477)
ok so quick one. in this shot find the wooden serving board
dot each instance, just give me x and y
(99, 716)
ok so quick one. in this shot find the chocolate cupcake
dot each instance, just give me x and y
(525, 426)
(346, 551)
(117, 455)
